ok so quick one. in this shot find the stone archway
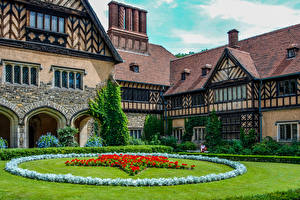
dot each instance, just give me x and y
(42, 121)
(84, 123)
(8, 126)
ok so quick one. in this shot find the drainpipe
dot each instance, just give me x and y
(165, 110)
(259, 111)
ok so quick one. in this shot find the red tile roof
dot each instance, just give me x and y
(262, 56)
(153, 68)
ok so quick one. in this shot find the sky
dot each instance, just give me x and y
(182, 26)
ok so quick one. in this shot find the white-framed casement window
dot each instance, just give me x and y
(287, 132)
(198, 134)
(21, 73)
(136, 133)
(68, 78)
(178, 133)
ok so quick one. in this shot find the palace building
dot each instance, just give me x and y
(55, 54)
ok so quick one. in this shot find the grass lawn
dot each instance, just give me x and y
(260, 178)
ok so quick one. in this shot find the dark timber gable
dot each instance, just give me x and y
(83, 33)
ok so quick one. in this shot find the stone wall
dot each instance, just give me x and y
(136, 120)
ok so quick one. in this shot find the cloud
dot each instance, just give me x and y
(255, 17)
(195, 38)
(172, 3)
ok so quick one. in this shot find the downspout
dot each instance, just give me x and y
(259, 111)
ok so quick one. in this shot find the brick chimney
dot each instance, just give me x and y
(233, 38)
(128, 27)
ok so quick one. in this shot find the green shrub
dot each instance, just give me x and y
(8, 154)
(133, 141)
(248, 140)
(3, 143)
(94, 141)
(287, 150)
(187, 146)
(46, 141)
(107, 109)
(66, 136)
(251, 158)
(153, 126)
(189, 125)
(286, 195)
(169, 141)
(213, 137)
(155, 140)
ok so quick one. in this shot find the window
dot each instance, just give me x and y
(183, 76)
(231, 126)
(287, 132)
(136, 133)
(199, 134)
(135, 68)
(230, 94)
(286, 87)
(204, 71)
(20, 73)
(197, 99)
(178, 133)
(135, 94)
(46, 22)
(291, 53)
(176, 102)
(68, 78)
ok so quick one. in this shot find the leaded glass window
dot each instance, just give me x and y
(64, 79)
(47, 22)
(40, 20)
(71, 80)
(57, 78)
(32, 19)
(78, 81)
(8, 74)
(33, 76)
(54, 23)
(287, 87)
(230, 93)
(25, 75)
(61, 25)
(288, 132)
(17, 74)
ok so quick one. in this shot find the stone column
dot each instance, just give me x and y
(22, 139)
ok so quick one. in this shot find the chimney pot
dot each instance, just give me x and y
(233, 38)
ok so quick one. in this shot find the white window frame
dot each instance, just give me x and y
(199, 134)
(21, 65)
(287, 123)
(138, 130)
(68, 70)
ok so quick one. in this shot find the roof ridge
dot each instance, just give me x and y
(240, 51)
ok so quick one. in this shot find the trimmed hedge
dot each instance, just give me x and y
(8, 154)
(288, 195)
(252, 158)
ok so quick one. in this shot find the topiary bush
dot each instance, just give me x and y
(46, 141)
(3, 143)
(94, 141)
(66, 136)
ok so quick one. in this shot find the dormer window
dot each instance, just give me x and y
(46, 22)
(292, 51)
(206, 69)
(135, 68)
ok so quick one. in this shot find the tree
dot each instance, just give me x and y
(213, 136)
(106, 108)
(153, 126)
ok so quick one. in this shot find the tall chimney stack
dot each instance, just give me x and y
(233, 38)
(128, 27)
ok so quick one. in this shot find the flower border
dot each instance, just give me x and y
(13, 168)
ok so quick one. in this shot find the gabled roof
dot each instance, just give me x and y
(263, 56)
(154, 67)
(101, 30)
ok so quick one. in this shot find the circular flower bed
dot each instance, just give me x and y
(13, 168)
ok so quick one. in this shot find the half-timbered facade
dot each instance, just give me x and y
(53, 56)
(251, 84)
